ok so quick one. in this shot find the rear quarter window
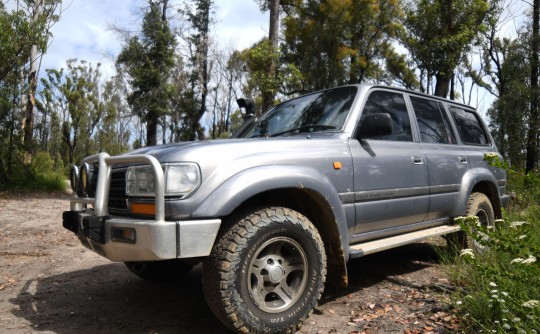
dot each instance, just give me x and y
(469, 127)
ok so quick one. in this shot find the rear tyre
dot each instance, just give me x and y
(266, 273)
(160, 271)
(480, 206)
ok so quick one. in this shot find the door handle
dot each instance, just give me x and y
(417, 160)
(463, 160)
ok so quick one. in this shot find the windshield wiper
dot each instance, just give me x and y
(305, 128)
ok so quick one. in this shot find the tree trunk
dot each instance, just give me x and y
(442, 86)
(28, 123)
(532, 136)
(268, 96)
(151, 131)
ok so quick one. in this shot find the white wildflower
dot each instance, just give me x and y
(523, 236)
(494, 291)
(531, 303)
(522, 331)
(507, 326)
(492, 284)
(516, 260)
(517, 224)
(467, 252)
(459, 302)
(529, 260)
(516, 319)
(504, 293)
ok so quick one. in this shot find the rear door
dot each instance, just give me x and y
(446, 161)
(390, 172)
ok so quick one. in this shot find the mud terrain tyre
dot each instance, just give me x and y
(159, 271)
(266, 272)
(478, 205)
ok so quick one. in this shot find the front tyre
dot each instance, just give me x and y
(266, 273)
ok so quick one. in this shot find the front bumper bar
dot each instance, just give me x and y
(152, 241)
(149, 240)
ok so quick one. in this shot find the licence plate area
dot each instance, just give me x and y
(85, 225)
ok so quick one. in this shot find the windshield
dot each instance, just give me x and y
(322, 111)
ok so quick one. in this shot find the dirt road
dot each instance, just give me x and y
(49, 283)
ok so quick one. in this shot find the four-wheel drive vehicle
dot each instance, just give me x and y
(277, 211)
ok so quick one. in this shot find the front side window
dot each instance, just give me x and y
(393, 104)
(469, 127)
(432, 122)
(321, 111)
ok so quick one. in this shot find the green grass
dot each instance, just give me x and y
(39, 176)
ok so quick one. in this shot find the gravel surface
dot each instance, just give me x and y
(50, 283)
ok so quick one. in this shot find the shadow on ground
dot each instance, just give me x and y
(109, 299)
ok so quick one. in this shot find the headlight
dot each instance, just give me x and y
(180, 180)
(140, 181)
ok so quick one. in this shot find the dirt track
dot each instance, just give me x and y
(49, 283)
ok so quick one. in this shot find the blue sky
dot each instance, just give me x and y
(83, 31)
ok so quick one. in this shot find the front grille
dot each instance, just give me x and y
(117, 193)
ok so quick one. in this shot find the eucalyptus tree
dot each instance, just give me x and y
(439, 32)
(340, 42)
(149, 59)
(73, 95)
(197, 36)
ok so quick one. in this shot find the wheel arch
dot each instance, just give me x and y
(490, 190)
(482, 181)
(304, 190)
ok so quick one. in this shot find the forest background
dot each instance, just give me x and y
(175, 80)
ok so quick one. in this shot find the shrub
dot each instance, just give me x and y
(501, 285)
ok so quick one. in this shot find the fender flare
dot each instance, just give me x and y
(469, 181)
(253, 181)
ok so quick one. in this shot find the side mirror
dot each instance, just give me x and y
(374, 125)
(249, 117)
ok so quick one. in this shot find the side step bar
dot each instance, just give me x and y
(375, 246)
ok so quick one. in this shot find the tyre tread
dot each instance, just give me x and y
(216, 274)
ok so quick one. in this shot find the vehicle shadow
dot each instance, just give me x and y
(372, 269)
(109, 299)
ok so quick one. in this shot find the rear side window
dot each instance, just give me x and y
(393, 104)
(469, 127)
(432, 122)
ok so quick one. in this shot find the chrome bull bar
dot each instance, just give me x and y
(101, 199)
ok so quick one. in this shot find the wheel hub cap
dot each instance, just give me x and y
(276, 274)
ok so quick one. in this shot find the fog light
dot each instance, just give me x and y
(124, 235)
(74, 179)
(88, 179)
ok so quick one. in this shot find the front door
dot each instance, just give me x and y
(390, 171)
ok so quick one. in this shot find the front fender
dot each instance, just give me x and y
(253, 181)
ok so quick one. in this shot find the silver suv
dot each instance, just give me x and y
(278, 210)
